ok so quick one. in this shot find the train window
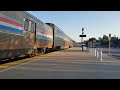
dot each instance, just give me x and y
(32, 28)
(57, 31)
(26, 24)
(60, 32)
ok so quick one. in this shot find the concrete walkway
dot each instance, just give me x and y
(66, 64)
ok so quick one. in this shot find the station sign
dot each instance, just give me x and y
(82, 36)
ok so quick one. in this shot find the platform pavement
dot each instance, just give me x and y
(72, 63)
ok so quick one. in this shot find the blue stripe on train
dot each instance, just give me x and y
(21, 31)
(11, 29)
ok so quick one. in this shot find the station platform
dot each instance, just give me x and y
(71, 63)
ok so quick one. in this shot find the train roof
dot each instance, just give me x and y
(43, 22)
(62, 31)
(32, 16)
(59, 29)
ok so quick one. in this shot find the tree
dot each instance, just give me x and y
(105, 38)
(92, 39)
(114, 41)
(104, 41)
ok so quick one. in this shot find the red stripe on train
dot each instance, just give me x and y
(43, 33)
(10, 22)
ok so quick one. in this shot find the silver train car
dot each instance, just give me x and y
(23, 34)
(60, 39)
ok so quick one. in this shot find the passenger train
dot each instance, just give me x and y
(23, 34)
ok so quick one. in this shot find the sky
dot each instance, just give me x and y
(95, 23)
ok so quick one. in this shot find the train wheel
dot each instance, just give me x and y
(43, 50)
(29, 55)
(47, 50)
(35, 52)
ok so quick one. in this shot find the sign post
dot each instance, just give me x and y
(109, 42)
(82, 37)
(99, 42)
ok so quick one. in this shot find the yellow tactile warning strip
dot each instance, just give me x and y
(7, 65)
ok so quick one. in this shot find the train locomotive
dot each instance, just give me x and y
(23, 34)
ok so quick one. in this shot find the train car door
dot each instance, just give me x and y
(29, 34)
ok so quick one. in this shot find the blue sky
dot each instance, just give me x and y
(95, 23)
